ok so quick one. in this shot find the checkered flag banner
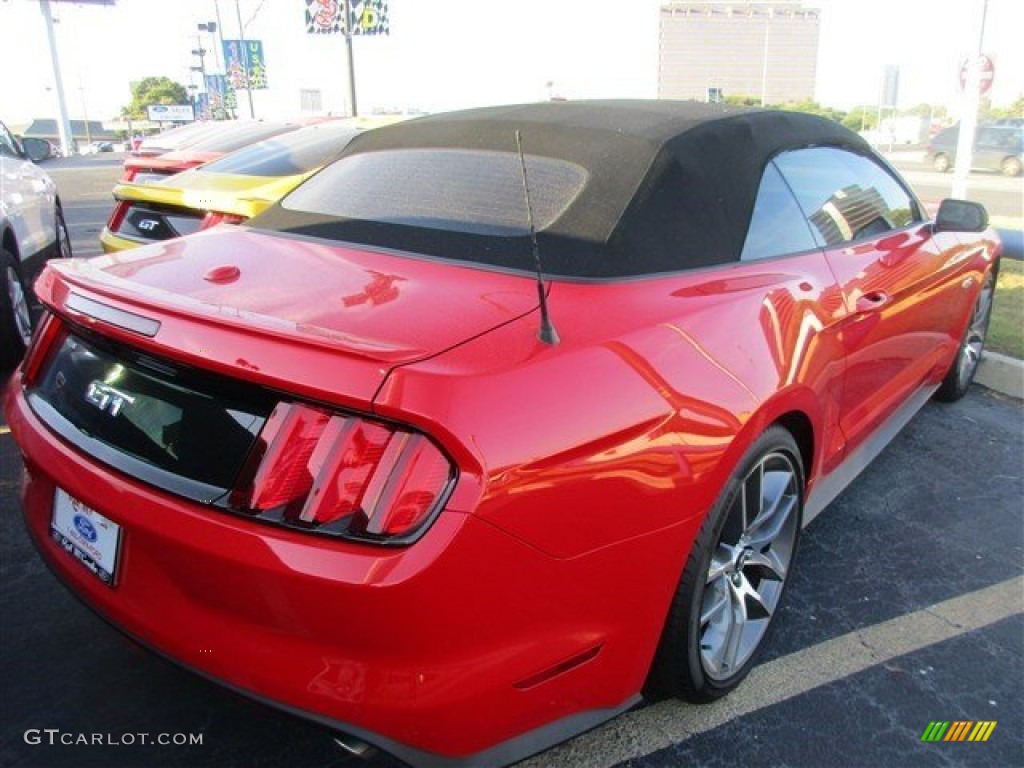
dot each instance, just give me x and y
(326, 17)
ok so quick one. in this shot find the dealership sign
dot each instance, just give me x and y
(170, 112)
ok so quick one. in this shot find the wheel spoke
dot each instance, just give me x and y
(720, 561)
(732, 639)
(753, 604)
(773, 522)
(753, 495)
(719, 600)
(767, 565)
(715, 641)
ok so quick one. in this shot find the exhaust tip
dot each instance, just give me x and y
(354, 746)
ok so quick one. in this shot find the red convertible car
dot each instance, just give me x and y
(501, 421)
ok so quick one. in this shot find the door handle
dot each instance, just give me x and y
(872, 302)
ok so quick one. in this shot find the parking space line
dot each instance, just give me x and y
(647, 730)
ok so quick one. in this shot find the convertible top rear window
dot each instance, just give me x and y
(469, 191)
(619, 189)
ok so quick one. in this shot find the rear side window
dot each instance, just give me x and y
(846, 196)
(469, 191)
(777, 225)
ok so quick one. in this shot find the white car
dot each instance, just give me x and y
(32, 230)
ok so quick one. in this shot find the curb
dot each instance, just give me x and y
(1002, 374)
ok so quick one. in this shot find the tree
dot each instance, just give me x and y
(154, 90)
(1016, 109)
(861, 118)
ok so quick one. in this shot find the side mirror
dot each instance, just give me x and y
(961, 216)
(36, 150)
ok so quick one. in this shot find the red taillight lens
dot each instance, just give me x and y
(117, 215)
(49, 330)
(291, 434)
(213, 218)
(344, 475)
(400, 502)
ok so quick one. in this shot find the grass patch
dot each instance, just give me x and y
(1006, 328)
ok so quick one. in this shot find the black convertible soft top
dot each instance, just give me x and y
(659, 186)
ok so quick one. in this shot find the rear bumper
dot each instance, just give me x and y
(431, 652)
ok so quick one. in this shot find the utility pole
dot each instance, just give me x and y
(85, 114)
(63, 124)
(764, 61)
(245, 58)
(969, 114)
(351, 58)
(201, 69)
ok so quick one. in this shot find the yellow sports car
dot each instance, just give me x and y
(229, 190)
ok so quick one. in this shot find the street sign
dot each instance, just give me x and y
(987, 72)
(170, 112)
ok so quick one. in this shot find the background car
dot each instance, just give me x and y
(231, 189)
(32, 230)
(218, 140)
(996, 148)
(178, 137)
(501, 421)
(96, 147)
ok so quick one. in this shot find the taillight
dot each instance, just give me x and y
(343, 475)
(117, 215)
(213, 218)
(47, 332)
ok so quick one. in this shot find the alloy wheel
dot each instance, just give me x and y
(970, 351)
(749, 566)
(19, 306)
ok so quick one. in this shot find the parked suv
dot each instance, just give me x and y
(996, 148)
(32, 230)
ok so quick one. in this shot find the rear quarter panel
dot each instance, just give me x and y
(634, 421)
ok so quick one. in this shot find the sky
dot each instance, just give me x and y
(463, 53)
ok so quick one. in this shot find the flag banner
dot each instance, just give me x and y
(245, 64)
(216, 92)
(327, 17)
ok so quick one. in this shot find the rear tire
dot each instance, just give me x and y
(62, 250)
(15, 313)
(732, 586)
(941, 163)
(968, 356)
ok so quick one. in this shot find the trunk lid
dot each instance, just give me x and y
(323, 320)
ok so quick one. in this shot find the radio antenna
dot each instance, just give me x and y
(547, 333)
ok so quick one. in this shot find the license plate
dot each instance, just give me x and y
(87, 535)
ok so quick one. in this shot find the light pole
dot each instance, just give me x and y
(63, 123)
(85, 114)
(201, 69)
(351, 57)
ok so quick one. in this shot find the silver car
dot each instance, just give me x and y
(32, 230)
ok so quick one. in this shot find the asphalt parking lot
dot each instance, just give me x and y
(906, 607)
